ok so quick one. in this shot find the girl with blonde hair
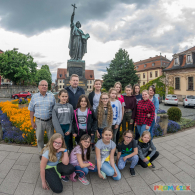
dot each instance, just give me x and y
(55, 165)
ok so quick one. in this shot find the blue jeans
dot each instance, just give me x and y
(100, 132)
(151, 128)
(65, 128)
(141, 129)
(109, 171)
(134, 160)
(82, 172)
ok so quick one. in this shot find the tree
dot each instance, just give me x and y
(120, 69)
(44, 74)
(17, 67)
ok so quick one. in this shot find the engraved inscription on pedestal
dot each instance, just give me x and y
(75, 70)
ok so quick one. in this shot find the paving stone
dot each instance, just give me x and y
(101, 188)
(11, 181)
(169, 156)
(9, 148)
(94, 178)
(186, 179)
(80, 189)
(35, 158)
(13, 155)
(184, 150)
(148, 175)
(5, 167)
(128, 193)
(120, 186)
(192, 149)
(184, 192)
(126, 173)
(24, 189)
(67, 189)
(24, 159)
(166, 146)
(186, 168)
(156, 164)
(39, 190)
(174, 151)
(32, 173)
(3, 155)
(29, 150)
(171, 143)
(1, 180)
(179, 142)
(187, 146)
(158, 147)
(169, 166)
(165, 176)
(139, 186)
(185, 158)
(19, 167)
(192, 156)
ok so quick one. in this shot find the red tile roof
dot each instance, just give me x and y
(89, 74)
(183, 52)
(1, 51)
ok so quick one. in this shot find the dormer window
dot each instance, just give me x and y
(189, 59)
(136, 67)
(60, 75)
(145, 65)
(176, 61)
(153, 64)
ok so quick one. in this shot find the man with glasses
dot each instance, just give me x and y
(41, 106)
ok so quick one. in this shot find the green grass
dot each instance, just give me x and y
(186, 123)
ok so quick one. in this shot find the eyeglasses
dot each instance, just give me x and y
(44, 85)
(105, 99)
(58, 143)
(128, 137)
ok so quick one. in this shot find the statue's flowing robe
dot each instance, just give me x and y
(77, 45)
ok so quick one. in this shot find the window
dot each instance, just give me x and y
(190, 83)
(63, 81)
(176, 60)
(138, 76)
(60, 86)
(152, 64)
(143, 83)
(136, 67)
(87, 86)
(145, 65)
(63, 86)
(60, 75)
(91, 76)
(2, 80)
(90, 82)
(60, 81)
(90, 86)
(188, 58)
(150, 74)
(144, 75)
(156, 73)
(177, 83)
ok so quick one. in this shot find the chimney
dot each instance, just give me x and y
(156, 55)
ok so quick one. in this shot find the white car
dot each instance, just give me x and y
(171, 99)
(189, 101)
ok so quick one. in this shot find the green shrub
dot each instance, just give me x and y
(174, 114)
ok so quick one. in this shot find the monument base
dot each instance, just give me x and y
(76, 67)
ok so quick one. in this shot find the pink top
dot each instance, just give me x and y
(73, 155)
(121, 99)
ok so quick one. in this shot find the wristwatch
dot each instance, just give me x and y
(65, 150)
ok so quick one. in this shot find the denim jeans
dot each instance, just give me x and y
(151, 128)
(100, 132)
(114, 133)
(82, 172)
(65, 128)
(141, 129)
(109, 171)
(134, 160)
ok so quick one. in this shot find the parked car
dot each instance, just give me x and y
(189, 101)
(23, 94)
(171, 99)
(159, 98)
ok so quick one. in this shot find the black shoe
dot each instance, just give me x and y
(115, 154)
(40, 157)
(93, 148)
(153, 165)
(65, 178)
(132, 171)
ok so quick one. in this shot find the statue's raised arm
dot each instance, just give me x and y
(73, 13)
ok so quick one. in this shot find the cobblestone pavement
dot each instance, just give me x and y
(19, 171)
(188, 113)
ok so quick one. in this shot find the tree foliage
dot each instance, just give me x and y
(120, 69)
(44, 74)
(17, 67)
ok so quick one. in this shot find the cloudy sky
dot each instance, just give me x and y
(144, 28)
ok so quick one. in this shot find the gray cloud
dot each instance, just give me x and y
(33, 16)
(37, 55)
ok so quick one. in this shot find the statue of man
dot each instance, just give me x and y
(78, 40)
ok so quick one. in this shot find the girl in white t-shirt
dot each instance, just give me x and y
(105, 149)
(80, 157)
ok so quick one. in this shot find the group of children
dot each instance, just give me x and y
(101, 114)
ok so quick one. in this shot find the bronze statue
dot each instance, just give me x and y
(78, 40)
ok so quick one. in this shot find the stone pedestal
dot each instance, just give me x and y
(76, 67)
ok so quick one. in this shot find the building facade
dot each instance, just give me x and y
(180, 74)
(61, 75)
(151, 68)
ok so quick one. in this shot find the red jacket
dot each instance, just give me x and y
(144, 108)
